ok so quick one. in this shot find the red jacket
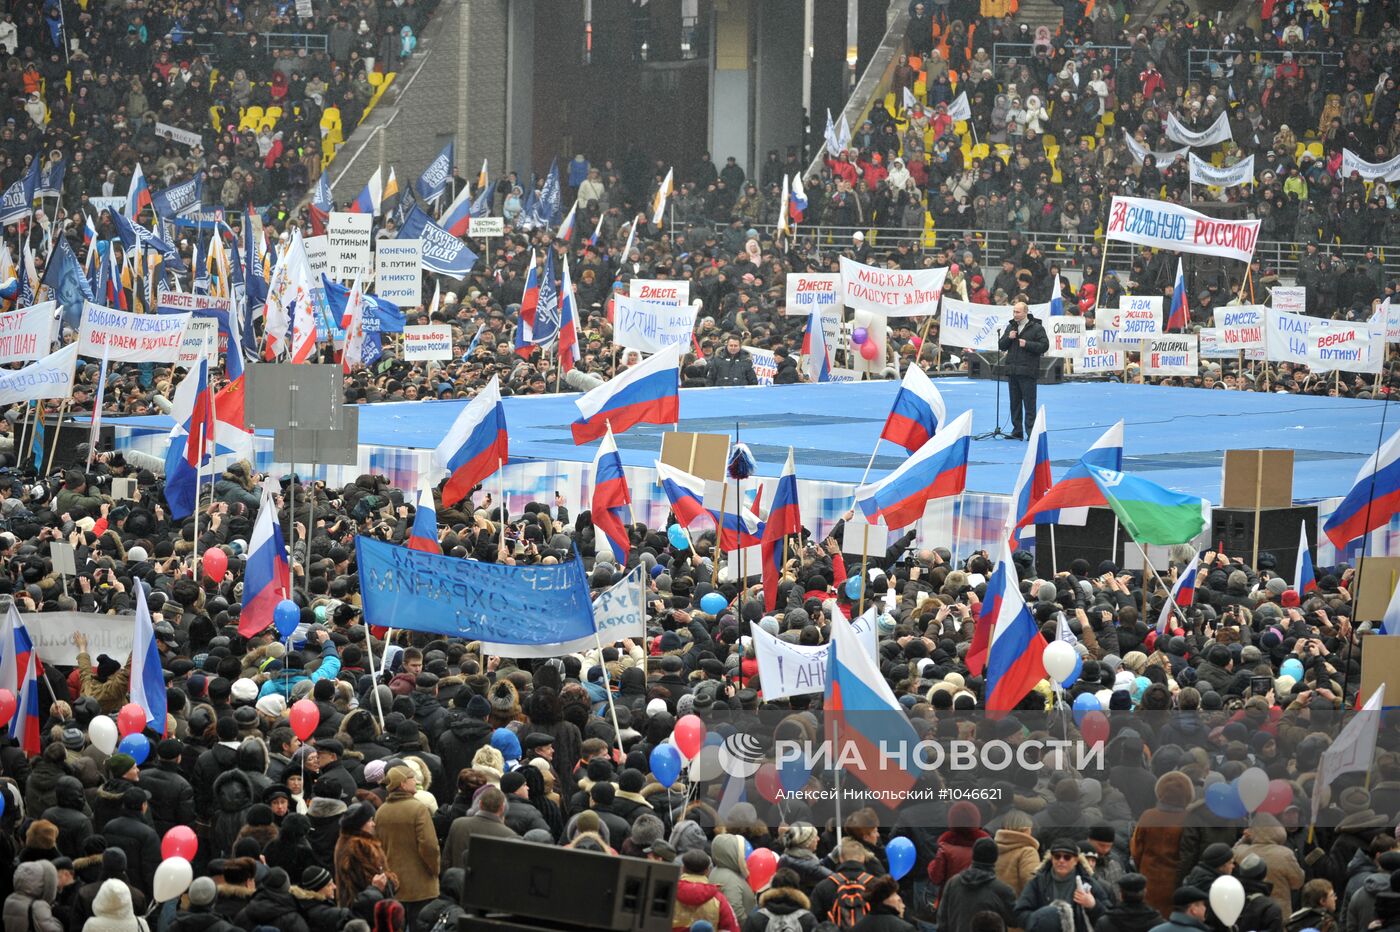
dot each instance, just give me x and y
(697, 899)
(843, 170)
(954, 854)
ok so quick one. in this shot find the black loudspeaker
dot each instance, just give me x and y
(539, 886)
(1092, 543)
(1052, 370)
(70, 436)
(1233, 529)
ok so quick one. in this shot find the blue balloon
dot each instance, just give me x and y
(1073, 677)
(286, 616)
(1224, 800)
(853, 587)
(713, 603)
(3, 797)
(137, 746)
(748, 849)
(676, 535)
(900, 852)
(665, 764)
(1084, 703)
(714, 739)
(793, 774)
(1292, 667)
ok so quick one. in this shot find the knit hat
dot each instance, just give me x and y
(1216, 855)
(244, 690)
(314, 878)
(259, 814)
(202, 892)
(74, 739)
(277, 879)
(984, 851)
(1251, 867)
(396, 776)
(511, 782)
(119, 764)
(1133, 884)
(1185, 896)
(478, 707)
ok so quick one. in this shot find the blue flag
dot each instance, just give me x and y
(549, 208)
(134, 236)
(546, 326)
(380, 316)
(321, 197)
(182, 198)
(433, 182)
(443, 253)
(17, 203)
(37, 443)
(481, 207)
(51, 179)
(64, 274)
(470, 599)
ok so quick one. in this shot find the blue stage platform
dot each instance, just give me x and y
(1175, 436)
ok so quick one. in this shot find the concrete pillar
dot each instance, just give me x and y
(780, 56)
(731, 85)
(520, 87)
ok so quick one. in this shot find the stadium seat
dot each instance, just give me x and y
(921, 89)
(981, 151)
(1108, 118)
(249, 117)
(1049, 141)
(1298, 151)
(216, 118)
(1315, 149)
(375, 79)
(916, 62)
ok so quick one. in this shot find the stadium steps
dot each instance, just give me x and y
(1040, 13)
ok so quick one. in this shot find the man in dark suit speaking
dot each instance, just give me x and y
(1024, 341)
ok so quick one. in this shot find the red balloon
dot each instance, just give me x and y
(1280, 797)
(690, 735)
(7, 706)
(215, 564)
(1094, 728)
(767, 783)
(869, 350)
(179, 842)
(131, 720)
(304, 718)
(763, 864)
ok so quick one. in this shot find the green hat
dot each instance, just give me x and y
(119, 764)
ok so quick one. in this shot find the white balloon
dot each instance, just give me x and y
(1105, 696)
(1059, 660)
(706, 765)
(173, 877)
(1253, 787)
(103, 733)
(1227, 899)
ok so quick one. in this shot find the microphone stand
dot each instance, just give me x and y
(996, 433)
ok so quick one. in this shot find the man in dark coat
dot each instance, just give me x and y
(1023, 341)
(487, 821)
(465, 734)
(1131, 913)
(1188, 912)
(172, 797)
(974, 890)
(132, 833)
(731, 365)
(1064, 878)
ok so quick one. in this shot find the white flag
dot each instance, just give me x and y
(959, 109)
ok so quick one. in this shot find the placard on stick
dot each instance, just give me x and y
(1376, 578)
(1380, 664)
(854, 539)
(701, 455)
(1257, 479)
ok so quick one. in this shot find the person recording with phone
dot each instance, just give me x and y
(1023, 341)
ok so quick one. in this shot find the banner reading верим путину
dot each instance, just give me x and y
(403, 588)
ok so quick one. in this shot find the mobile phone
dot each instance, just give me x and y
(1260, 684)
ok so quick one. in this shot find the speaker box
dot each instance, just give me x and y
(72, 434)
(1233, 528)
(564, 888)
(1052, 370)
(1092, 543)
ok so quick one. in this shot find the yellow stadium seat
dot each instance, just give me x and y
(1052, 153)
(375, 79)
(389, 78)
(216, 118)
(213, 76)
(1049, 140)
(1108, 118)
(273, 113)
(1315, 149)
(920, 89)
(1090, 141)
(1298, 151)
(250, 117)
(1003, 151)
(267, 123)
(980, 151)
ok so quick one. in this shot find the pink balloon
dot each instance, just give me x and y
(7, 706)
(1094, 728)
(869, 350)
(1280, 797)
(131, 720)
(763, 864)
(767, 783)
(304, 718)
(179, 842)
(215, 564)
(690, 735)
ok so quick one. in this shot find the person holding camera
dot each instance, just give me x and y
(1023, 341)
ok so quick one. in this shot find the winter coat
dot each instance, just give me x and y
(969, 892)
(1156, 842)
(1024, 360)
(1179, 922)
(1261, 913)
(230, 900)
(1284, 872)
(404, 826)
(697, 898)
(1129, 917)
(233, 794)
(809, 868)
(1040, 892)
(142, 847)
(954, 853)
(71, 816)
(319, 910)
(210, 765)
(460, 741)
(724, 369)
(447, 904)
(200, 919)
(112, 910)
(29, 907)
(521, 816)
(730, 874)
(358, 858)
(272, 907)
(1018, 858)
(781, 902)
(111, 693)
(882, 918)
(459, 837)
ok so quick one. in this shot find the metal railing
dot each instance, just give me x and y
(1088, 55)
(272, 41)
(1064, 248)
(1213, 64)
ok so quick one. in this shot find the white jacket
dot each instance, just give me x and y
(112, 912)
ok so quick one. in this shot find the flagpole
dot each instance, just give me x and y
(26, 438)
(864, 556)
(607, 687)
(1054, 563)
(373, 676)
(1148, 563)
(723, 503)
(865, 475)
(958, 526)
(57, 429)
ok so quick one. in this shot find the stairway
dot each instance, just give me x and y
(1040, 13)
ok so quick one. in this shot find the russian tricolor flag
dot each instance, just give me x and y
(1304, 579)
(1057, 298)
(367, 201)
(424, 533)
(611, 498)
(190, 440)
(685, 492)
(1014, 648)
(475, 445)
(1069, 500)
(267, 577)
(147, 675)
(1180, 314)
(457, 218)
(138, 194)
(1034, 479)
(1374, 497)
(937, 470)
(917, 411)
(647, 393)
(784, 518)
(1183, 593)
(566, 229)
(19, 672)
(862, 714)
(597, 230)
(797, 199)
(568, 321)
(529, 304)
(814, 348)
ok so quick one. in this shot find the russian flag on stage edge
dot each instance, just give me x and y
(1374, 497)
(1180, 314)
(937, 470)
(917, 411)
(1013, 656)
(476, 444)
(423, 535)
(647, 393)
(267, 578)
(1057, 298)
(611, 498)
(863, 716)
(1034, 479)
(784, 518)
(1069, 500)
(1182, 595)
(147, 676)
(1304, 579)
